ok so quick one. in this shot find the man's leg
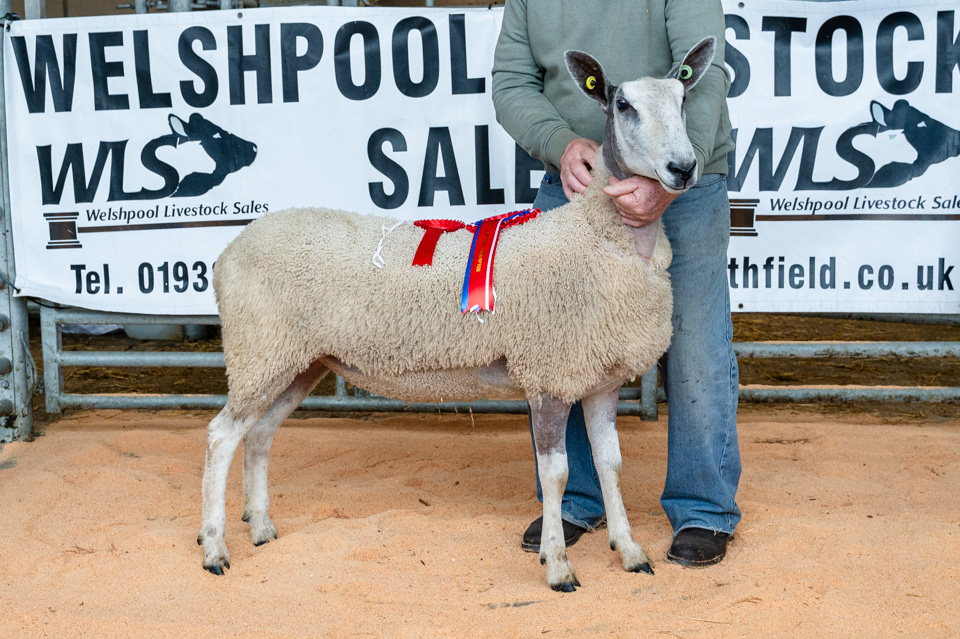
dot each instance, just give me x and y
(582, 505)
(701, 380)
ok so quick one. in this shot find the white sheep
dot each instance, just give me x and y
(578, 312)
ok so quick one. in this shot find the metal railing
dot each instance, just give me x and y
(16, 388)
(640, 401)
(56, 398)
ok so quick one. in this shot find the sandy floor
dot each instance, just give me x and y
(408, 526)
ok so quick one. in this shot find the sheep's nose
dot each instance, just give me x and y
(683, 172)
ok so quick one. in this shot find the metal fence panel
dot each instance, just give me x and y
(17, 373)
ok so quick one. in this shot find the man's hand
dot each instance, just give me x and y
(575, 164)
(640, 200)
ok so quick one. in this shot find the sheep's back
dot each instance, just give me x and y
(299, 284)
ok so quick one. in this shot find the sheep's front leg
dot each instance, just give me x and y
(549, 418)
(223, 437)
(600, 413)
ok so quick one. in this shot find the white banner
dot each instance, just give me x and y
(845, 188)
(139, 146)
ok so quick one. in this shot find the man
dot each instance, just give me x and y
(542, 108)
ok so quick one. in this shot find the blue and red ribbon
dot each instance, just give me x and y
(478, 292)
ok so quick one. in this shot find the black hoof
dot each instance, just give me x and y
(565, 587)
(217, 570)
(245, 516)
(543, 560)
(613, 546)
(199, 540)
(265, 541)
(644, 567)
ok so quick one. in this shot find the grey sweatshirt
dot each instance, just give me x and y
(542, 108)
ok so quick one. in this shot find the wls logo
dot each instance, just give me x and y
(222, 152)
(903, 132)
(196, 149)
(933, 142)
(895, 146)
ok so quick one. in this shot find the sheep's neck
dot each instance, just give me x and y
(644, 237)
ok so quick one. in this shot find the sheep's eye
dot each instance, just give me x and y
(622, 104)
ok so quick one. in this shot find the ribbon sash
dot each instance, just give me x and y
(477, 282)
(478, 292)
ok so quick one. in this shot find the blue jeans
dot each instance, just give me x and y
(700, 374)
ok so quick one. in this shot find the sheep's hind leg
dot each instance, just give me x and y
(600, 411)
(223, 437)
(256, 452)
(549, 417)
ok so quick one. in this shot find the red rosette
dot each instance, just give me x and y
(445, 226)
(524, 216)
(432, 231)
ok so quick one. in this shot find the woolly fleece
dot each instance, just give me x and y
(576, 306)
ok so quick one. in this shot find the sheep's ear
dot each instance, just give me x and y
(695, 63)
(589, 76)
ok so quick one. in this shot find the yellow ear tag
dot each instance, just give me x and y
(686, 72)
(591, 83)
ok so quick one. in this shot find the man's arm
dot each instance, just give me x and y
(518, 98)
(688, 22)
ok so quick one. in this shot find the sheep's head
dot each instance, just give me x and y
(646, 125)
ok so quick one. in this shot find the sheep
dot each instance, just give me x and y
(584, 303)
